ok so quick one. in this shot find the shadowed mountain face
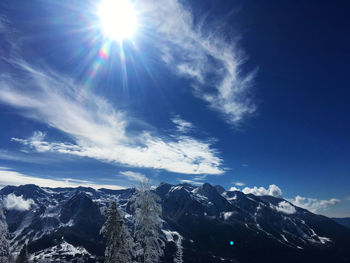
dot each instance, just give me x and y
(199, 223)
(343, 221)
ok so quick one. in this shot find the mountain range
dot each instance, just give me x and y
(201, 224)
(345, 221)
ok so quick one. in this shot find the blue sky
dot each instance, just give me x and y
(243, 94)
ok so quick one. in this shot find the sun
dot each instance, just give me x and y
(118, 19)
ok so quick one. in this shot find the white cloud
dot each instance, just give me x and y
(10, 177)
(182, 125)
(273, 190)
(285, 207)
(239, 184)
(185, 181)
(312, 204)
(134, 176)
(233, 188)
(196, 180)
(96, 129)
(13, 202)
(203, 55)
(29, 157)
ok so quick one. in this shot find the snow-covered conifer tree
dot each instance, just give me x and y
(23, 256)
(4, 243)
(119, 247)
(147, 224)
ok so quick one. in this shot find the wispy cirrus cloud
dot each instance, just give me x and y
(96, 128)
(239, 184)
(187, 156)
(196, 180)
(134, 176)
(182, 125)
(202, 54)
(12, 177)
(26, 158)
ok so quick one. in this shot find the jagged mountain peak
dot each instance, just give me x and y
(201, 218)
(220, 189)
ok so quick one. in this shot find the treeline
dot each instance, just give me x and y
(124, 244)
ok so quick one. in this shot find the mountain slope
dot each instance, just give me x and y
(345, 221)
(199, 223)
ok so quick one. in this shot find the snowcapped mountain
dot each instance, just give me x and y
(199, 224)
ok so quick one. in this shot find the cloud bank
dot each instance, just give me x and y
(312, 204)
(13, 202)
(10, 177)
(199, 52)
(273, 190)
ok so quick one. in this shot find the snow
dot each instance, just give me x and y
(127, 216)
(48, 190)
(200, 199)
(68, 224)
(63, 249)
(175, 188)
(292, 228)
(173, 236)
(251, 199)
(231, 198)
(224, 195)
(51, 211)
(284, 238)
(24, 224)
(227, 215)
(323, 240)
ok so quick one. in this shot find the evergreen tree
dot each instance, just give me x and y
(119, 247)
(4, 243)
(147, 224)
(23, 256)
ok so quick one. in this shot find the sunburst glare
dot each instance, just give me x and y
(118, 19)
